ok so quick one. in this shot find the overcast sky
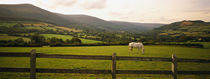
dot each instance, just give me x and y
(144, 11)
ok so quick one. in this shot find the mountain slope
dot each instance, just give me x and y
(138, 26)
(91, 22)
(28, 12)
(94, 22)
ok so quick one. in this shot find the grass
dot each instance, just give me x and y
(10, 24)
(4, 37)
(205, 44)
(42, 26)
(65, 37)
(150, 51)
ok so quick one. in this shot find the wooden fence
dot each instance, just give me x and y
(33, 55)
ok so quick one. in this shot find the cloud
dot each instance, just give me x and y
(78, 4)
(93, 4)
(57, 3)
(65, 2)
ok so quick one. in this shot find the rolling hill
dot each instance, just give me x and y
(184, 30)
(138, 26)
(97, 23)
(28, 12)
(91, 23)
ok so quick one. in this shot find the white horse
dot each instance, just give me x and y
(137, 45)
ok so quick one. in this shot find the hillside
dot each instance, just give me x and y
(184, 30)
(15, 27)
(28, 12)
(138, 26)
(91, 23)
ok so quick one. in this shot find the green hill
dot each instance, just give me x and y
(5, 37)
(94, 23)
(184, 31)
(136, 27)
(15, 27)
(28, 12)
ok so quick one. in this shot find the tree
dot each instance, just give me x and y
(18, 25)
(76, 40)
(68, 41)
(19, 40)
(37, 39)
(55, 40)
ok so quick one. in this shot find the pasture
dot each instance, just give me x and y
(5, 37)
(150, 51)
(65, 37)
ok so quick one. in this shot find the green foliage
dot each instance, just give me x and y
(37, 39)
(18, 25)
(19, 40)
(76, 41)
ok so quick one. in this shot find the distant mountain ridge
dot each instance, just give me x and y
(28, 12)
(138, 26)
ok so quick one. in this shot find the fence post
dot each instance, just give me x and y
(33, 64)
(174, 66)
(114, 66)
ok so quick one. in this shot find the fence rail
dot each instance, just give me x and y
(99, 57)
(46, 70)
(33, 70)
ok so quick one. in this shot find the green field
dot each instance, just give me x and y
(10, 24)
(4, 37)
(205, 44)
(150, 51)
(65, 37)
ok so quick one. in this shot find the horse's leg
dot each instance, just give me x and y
(131, 49)
(138, 51)
(142, 50)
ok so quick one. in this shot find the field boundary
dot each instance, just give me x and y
(33, 70)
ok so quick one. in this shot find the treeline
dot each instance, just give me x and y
(38, 40)
(187, 44)
(16, 43)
